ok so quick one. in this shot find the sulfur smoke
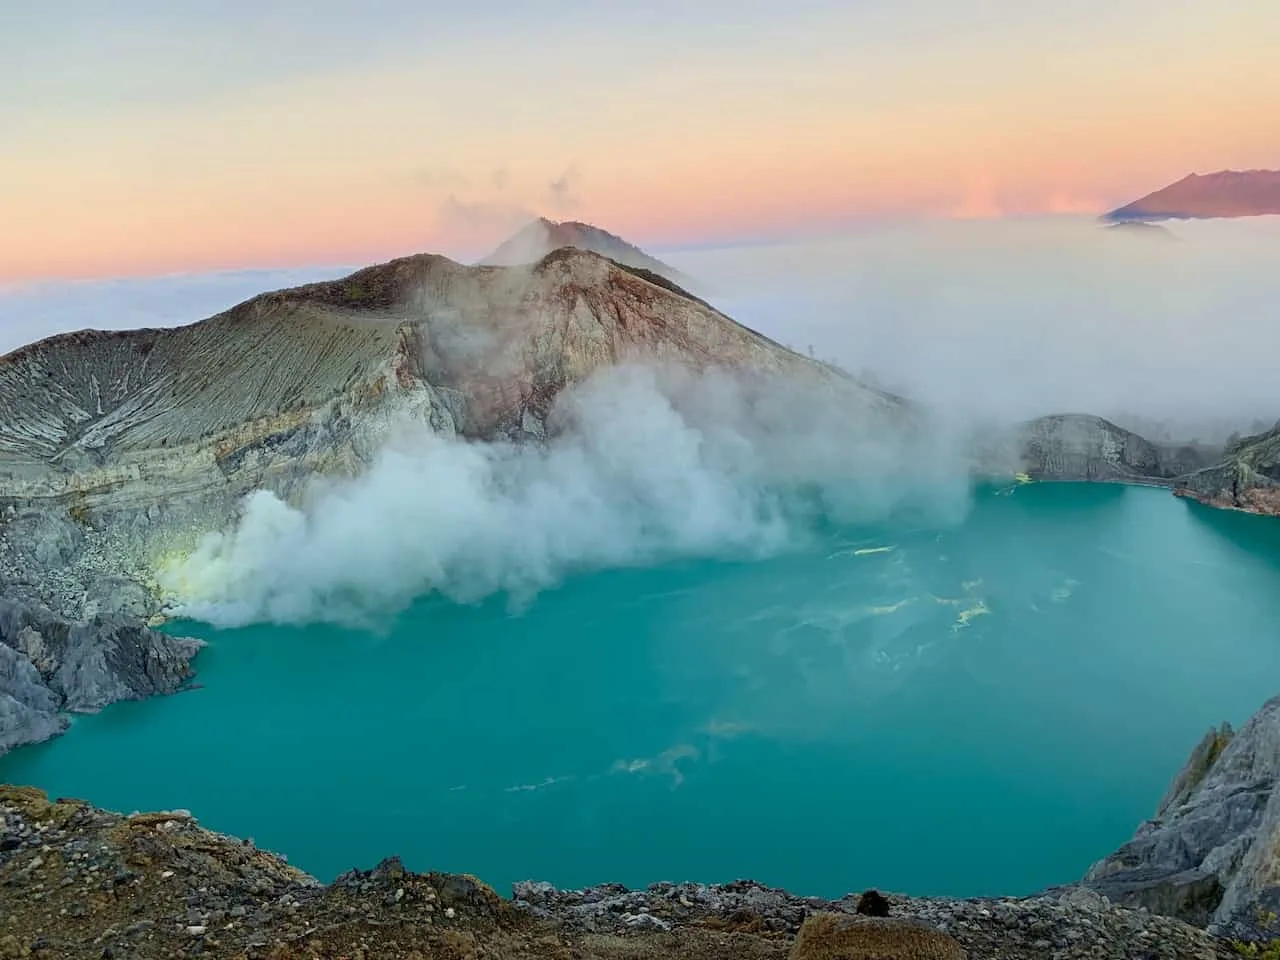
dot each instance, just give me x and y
(645, 464)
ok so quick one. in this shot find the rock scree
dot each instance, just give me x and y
(80, 882)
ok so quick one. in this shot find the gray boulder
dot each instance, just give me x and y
(29, 710)
(50, 665)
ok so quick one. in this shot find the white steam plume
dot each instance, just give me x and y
(646, 464)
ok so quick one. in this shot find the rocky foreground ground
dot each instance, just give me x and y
(79, 882)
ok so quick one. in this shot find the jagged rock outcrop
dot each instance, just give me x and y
(1083, 447)
(1209, 856)
(50, 666)
(1247, 478)
(79, 882)
(120, 449)
(539, 238)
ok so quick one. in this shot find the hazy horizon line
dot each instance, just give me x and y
(472, 254)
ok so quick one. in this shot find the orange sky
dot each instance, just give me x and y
(142, 140)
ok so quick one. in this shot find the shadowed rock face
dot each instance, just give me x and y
(1245, 476)
(1248, 478)
(1227, 193)
(1209, 854)
(1082, 447)
(543, 236)
(49, 666)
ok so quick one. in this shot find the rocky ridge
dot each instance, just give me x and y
(1227, 193)
(79, 882)
(1247, 478)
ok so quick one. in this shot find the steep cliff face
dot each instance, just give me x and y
(1083, 447)
(1209, 854)
(1248, 478)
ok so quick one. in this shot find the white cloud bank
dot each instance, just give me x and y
(648, 464)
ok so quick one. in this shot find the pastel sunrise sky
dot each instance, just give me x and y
(147, 136)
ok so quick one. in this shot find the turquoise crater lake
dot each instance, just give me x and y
(978, 709)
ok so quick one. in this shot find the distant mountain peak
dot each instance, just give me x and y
(1226, 193)
(542, 236)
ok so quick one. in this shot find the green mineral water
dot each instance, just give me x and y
(983, 707)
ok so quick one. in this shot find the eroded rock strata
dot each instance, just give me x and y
(79, 882)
